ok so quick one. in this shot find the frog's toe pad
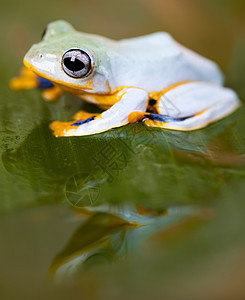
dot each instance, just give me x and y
(136, 116)
(29, 80)
(51, 93)
(151, 123)
(63, 128)
(68, 128)
(20, 83)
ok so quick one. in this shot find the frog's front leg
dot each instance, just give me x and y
(132, 100)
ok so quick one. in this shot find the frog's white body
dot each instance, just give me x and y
(156, 62)
(128, 73)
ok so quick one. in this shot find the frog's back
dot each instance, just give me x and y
(156, 61)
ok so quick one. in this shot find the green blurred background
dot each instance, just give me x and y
(194, 255)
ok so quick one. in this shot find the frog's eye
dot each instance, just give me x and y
(76, 63)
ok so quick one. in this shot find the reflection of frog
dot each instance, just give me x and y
(150, 78)
(113, 231)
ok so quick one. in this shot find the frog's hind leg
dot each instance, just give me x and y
(192, 106)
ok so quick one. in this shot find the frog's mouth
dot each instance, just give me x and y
(63, 85)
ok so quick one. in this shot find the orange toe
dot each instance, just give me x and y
(25, 72)
(154, 123)
(20, 83)
(61, 128)
(136, 116)
(52, 94)
(83, 115)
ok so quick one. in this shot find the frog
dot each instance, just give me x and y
(151, 79)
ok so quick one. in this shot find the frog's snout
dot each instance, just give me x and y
(33, 55)
(39, 62)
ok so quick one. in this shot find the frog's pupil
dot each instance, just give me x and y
(73, 64)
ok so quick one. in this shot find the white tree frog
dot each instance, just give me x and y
(150, 78)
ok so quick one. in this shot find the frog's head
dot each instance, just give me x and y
(76, 61)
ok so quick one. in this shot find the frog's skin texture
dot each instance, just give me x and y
(150, 78)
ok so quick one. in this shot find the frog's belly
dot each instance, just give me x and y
(105, 101)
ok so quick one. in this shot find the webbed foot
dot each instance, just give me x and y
(69, 128)
(51, 94)
(62, 128)
(29, 80)
(82, 115)
(26, 80)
